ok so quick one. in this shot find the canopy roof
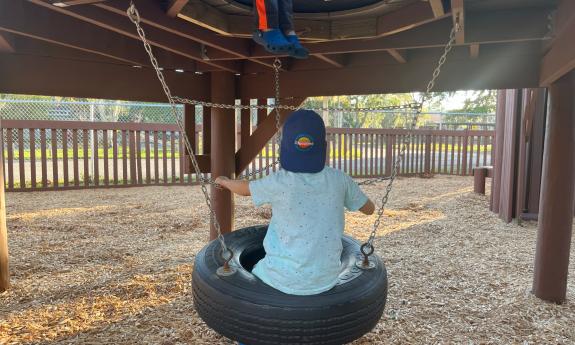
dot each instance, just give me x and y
(89, 47)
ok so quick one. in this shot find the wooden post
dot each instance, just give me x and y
(479, 175)
(223, 127)
(557, 195)
(464, 154)
(427, 163)
(4, 272)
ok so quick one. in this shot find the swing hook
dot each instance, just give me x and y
(226, 269)
(366, 250)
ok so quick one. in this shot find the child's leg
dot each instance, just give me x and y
(266, 14)
(285, 16)
(286, 25)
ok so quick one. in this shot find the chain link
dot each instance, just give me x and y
(426, 96)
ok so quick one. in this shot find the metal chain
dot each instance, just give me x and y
(407, 106)
(367, 247)
(135, 18)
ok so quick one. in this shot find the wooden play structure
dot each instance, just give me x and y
(89, 48)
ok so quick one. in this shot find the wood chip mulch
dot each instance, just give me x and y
(114, 267)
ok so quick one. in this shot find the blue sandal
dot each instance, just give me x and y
(273, 41)
(298, 51)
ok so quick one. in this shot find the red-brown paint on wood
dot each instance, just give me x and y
(479, 176)
(156, 159)
(32, 136)
(21, 158)
(181, 150)
(222, 155)
(498, 150)
(115, 156)
(557, 195)
(54, 139)
(207, 131)
(96, 158)
(43, 158)
(75, 157)
(133, 169)
(148, 165)
(172, 153)
(508, 178)
(139, 156)
(65, 157)
(105, 147)
(4, 258)
(123, 135)
(10, 152)
(86, 158)
(164, 158)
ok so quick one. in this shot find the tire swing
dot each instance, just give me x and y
(236, 304)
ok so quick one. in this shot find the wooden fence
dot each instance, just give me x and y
(58, 155)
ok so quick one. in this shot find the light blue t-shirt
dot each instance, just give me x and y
(303, 243)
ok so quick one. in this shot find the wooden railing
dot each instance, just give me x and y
(365, 153)
(48, 155)
(57, 155)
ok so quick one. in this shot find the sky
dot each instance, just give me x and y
(454, 102)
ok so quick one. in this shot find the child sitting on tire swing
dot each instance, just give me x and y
(275, 29)
(303, 243)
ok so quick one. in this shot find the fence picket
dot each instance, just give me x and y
(96, 158)
(105, 147)
(156, 162)
(86, 159)
(10, 157)
(164, 158)
(115, 155)
(148, 165)
(133, 172)
(173, 156)
(123, 135)
(43, 158)
(65, 157)
(139, 156)
(75, 157)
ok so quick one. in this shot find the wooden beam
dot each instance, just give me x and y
(175, 7)
(458, 15)
(157, 38)
(474, 51)
(4, 267)
(484, 28)
(560, 59)
(66, 3)
(56, 28)
(152, 14)
(437, 7)
(206, 17)
(399, 56)
(6, 43)
(368, 26)
(334, 60)
(498, 67)
(259, 138)
(406, 18)
(33, 75)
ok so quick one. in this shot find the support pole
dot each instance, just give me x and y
(4, 272)
(223, 126)
(557, 195)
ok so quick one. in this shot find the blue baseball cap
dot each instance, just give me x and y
(303, 146)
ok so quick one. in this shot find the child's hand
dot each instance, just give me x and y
(221, 180)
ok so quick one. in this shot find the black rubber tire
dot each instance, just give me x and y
(243, 308)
